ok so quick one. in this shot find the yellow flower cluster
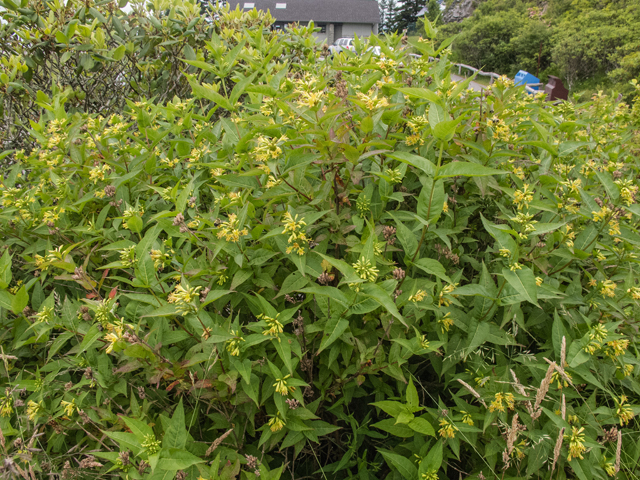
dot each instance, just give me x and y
(6, 406)
(233, 344)
(497, 405)
(371, 101)
(281, 386)
(523, 197)
(576, 443)
(33, 409)
(602, 214)
(275, 327)
(418, 296)
(69, 407)
(607, 289)
(446, 322)
(628, 191)
(297, 239)
(182, 298)
(276, 423)
(98, 173)
(365, 270)
(229, 229)
(447, 430)
(442, 300)
(159, 259)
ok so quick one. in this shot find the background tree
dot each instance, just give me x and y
(387, 11)
(406, 15)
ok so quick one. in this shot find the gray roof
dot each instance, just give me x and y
(329, 11)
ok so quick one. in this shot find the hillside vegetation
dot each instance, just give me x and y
(225, 255)
(588, 43)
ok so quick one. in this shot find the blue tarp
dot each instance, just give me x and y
(524, 78)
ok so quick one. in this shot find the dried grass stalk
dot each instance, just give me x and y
(557, 448)
(520, 389)
(473, 392)
(563, 409)
(563, 352)
(544, 386)
(618, 451)
(216, 443)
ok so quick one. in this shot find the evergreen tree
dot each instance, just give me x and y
(406, 15)
(387, 12)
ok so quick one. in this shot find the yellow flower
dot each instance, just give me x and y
(446, 322)
(281, 386)
(576, 443)
(276, 423)
(365, 270)
(496, 404)
(69, 407)
(418, 296)
(539, 281)
(33, 408)
(607, 289)
(447, 430)
(6, 406)
(466, 418)
(275, 327)
(623, 410)
(229, 229)
(233, 344)
(602, 214)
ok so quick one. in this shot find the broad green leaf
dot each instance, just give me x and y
(524, 281)
(5, 269)
(402, 464)
(416, 161)
(176, 434)
(334, 328)
(467, 169)
(434, 267)
(431, 200)
(422, 426)
(20, 300)
(420, 93)
(383, 298)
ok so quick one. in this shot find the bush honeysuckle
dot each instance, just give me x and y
(221, 243)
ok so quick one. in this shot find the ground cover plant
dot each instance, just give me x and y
(305, 267)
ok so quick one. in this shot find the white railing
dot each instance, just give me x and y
(492, 75)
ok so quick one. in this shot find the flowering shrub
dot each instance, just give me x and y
(329, 268)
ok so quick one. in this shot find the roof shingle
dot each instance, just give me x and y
(329, 11)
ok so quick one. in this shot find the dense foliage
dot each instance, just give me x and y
(307, 267)
(580, 40)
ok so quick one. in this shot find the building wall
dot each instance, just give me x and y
(353, 29)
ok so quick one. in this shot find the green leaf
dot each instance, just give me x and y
(420, 93)
(406, 468)
(177, 459)
(431, 200)
(383, 298)
(390, 407)
(145, 270)
(437, 114)
(422, 426)
(407, 238)
(126, 441)
(205, 91)
(333, 329)
(524, 281)
(416, 161)
(176, 434)
(434, 267)
(138, 428)
(445, 130)
(467, 169)
(89, 339)
(433, 460)
(412, 395)
(20, 300)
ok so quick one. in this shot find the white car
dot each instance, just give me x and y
(342, 44)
